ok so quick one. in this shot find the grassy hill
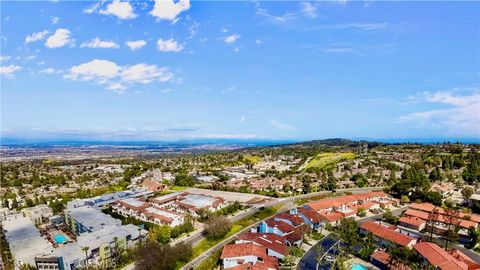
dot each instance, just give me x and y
(323, 160)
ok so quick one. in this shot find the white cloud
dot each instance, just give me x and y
(460, 118)
(36, 36)
(362, 26)
(143, 73)
(100, 70)
(243, 119)
(277, 19)
(54, 20)
(229, 89)
(60, 38)
(231, 39)
(169, 9)
(123, 10)
(166, 91)
(258, 41)
(50, 71)
(116, 77)
(308, 9)
(93, 8)
(135, 45)
(8, 71)
(282, 126)
(169, 45)
(4, 58)
(97, 43)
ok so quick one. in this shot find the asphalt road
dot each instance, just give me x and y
(309, 260)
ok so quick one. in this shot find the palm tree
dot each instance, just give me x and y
(85, 249)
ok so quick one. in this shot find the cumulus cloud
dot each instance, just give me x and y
(60, 38)
(169, 9)
(243, 119)
(231, 38)
(9, 71)
(122, 10)
(169, 45)
(97, 43)
(36, 36)
(4, 58)
(135, 45)
(117, 78)
(459, 114)
(282, 126)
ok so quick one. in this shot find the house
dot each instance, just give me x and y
(445, 189)
(431, 253)
(412, 223)
(38, 213)
(293, 235)
(385, 235)
(153, 186)
(274, 243)
(310, 218)
(382, 260)
(293, 219)
(250, 254)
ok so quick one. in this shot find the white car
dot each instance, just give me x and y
(329, 258)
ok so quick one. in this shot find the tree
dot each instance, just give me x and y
(155, 256)
(404, 199)
(401, 255)
(368, 247)
(452, 220)
(85, 249)
(389, 217)
(474, 236)
(467, 192)
(217, 227)
(432, 218)
(347, 230)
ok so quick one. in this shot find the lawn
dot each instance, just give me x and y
(177, 188)
(323, 160)
(253, 159)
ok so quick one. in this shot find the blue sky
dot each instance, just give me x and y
(302, 70)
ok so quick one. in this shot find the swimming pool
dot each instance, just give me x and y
(358, 267)
(59, 238)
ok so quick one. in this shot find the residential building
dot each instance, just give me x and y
(412, 223)
(275, 244)
(432, 254)
(311, 218)
(140, 209)
(24, 240)
(293, 235)
(185, 202)
(250, 254)
(87, 219)
(382, 260)
(153, 186)
(334, 209)
(38, 213)
(107, 199)
(386, 236)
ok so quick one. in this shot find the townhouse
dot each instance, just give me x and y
(311, 218)
(275, 244)
(247, 256)
(434, 255)
(386, 235)
(332, 210)
(142, 210)
(419, 215)
(290, 226)
(185, 202)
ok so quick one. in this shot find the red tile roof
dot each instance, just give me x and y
(295, 219)
(313, 216)
(245, 249)
(332, 216)
(417, 214)
(271, 241)
(460, 256)
(152, 185)
(338, 201)
(417, 222)
(281, 225)
(438, 257)
(387, 233)
(384, 258)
